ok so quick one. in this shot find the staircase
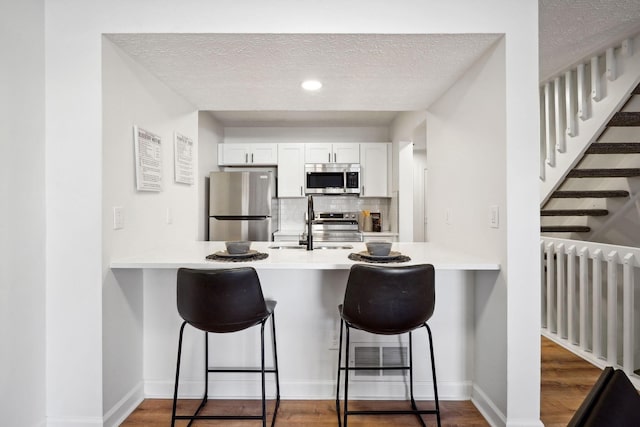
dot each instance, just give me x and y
(590, 146)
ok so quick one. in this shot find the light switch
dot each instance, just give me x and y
(494, 216)
(169, 216)
(118, 217)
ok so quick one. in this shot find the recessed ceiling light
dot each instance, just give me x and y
(311, 85)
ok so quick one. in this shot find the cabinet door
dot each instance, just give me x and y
(263, 154)
(291, 169)
(374, 163)
(318, 152)
(234, 154)
(346, 153)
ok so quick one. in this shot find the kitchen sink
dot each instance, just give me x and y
(314, 247)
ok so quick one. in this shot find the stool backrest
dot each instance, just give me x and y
(389, 300)
(225, 300)
(613, 401)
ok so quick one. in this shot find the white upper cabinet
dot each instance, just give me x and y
(375, 168)
(291, 170)
(248, 154)
(343, 152)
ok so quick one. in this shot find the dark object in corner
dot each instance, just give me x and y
(376, 222)
(612, 402)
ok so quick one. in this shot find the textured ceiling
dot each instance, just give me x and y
(254, 79)
(572, 29)
(263, 72)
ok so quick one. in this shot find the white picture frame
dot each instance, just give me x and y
(148, 157)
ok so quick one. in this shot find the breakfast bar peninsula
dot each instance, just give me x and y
(308, 286)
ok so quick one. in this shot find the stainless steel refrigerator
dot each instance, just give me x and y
(240, 205)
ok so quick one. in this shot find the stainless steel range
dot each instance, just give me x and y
(335, 227)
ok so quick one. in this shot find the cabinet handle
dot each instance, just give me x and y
(251, 157)
(301, 191)
(363, 190)
(329, 157)
(246, 158)
(334, 158)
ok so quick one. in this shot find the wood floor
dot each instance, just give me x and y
(566, 380)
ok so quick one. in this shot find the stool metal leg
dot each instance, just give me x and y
(433, 373)
(413, 400)
(275, 366)
(175, 388)
(338, 380)
(206, 366)
(414, 408)
(262, 375)
(346, 377)
(206, 378)
(262, 370)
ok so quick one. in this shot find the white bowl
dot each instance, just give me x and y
(239, 247)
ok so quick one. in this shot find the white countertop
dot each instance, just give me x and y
(193, 255)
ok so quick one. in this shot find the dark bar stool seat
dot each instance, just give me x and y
(388, 301)
(223, 301)
(612, 402)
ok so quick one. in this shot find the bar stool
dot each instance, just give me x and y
(387, 301)
(222, 301)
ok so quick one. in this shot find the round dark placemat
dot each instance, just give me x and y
(257, 257)
(358, 257)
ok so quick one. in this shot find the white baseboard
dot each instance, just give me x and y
(525, 423)
(125, 406)
(74, 422)
(308, 390)
(487, 408)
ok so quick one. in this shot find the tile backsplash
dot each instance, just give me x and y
(291, 211)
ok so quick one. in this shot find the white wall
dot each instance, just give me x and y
(466, 142)
(306, 134)
(132, 96)
(419, 167)
(403, 130)
(74, 209)
(22, 214)
(210, 134)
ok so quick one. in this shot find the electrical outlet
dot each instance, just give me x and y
(494, 216)
(118, 217)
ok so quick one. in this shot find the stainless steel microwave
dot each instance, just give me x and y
(332, 178)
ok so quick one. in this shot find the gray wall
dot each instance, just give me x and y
(22, 214)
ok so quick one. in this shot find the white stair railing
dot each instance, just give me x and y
(589, 301)
(577, 104)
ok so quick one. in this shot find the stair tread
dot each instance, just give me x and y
(601, 173)
(565, 229)
(614, 148)
(574, 212)
(562, 194)
(625, 118)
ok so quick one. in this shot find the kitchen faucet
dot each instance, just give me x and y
(309, 240)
